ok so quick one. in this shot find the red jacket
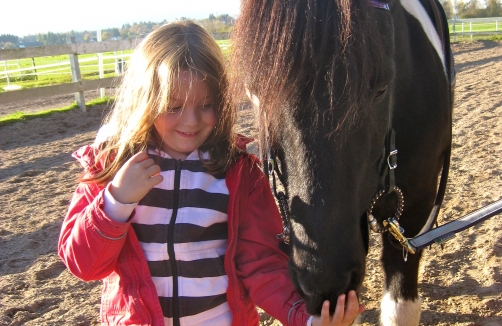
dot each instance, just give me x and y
(94, 247)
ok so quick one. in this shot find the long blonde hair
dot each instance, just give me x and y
(145, 90)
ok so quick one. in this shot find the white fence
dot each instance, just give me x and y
(77, 86)
(59, 67)
(468, 26)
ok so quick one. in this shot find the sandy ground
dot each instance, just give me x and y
(460, 285)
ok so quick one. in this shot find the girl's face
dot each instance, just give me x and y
(190, 120)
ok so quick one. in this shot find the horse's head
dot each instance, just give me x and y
(323, 73)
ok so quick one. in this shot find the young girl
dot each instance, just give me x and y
(171, 213)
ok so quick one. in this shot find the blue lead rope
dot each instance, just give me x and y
(447, 231)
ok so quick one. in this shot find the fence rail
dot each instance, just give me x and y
(74, 48)
(77, 86)
(475, 26)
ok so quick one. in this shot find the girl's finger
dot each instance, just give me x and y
(324, 318)
(339, 310)
(139, 157)
(352, 305)
(153, 170)
(155, 180)
(325, 313)
(147, 162)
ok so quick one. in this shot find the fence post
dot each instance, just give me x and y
(100, 66)
(116, 61)
(34, 68)
(454, 30)
(75, 75)
(6, 72)
(19, 67)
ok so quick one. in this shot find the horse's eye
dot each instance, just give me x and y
(380, 92)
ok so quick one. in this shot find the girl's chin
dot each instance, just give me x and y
(178, 155)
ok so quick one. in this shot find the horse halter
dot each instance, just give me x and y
(391, 224)
(272, 170)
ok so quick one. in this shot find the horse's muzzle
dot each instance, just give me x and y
(316, 289)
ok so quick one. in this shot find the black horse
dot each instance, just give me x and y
(335, 79)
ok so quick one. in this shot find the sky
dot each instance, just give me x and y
(24, 17)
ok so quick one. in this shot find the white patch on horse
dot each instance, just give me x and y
(400, 313)
(417, 10)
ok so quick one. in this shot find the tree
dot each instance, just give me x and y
(4, 38)
(219, 26)
(227, 19)
(115, 32)
(105, 36)
(9, 45)
(138, 29)
(461, 8)
(472, 10)
(448, 9)
(124, 34)
(493, 8)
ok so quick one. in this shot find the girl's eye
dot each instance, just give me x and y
(175, 109)
(207, 106)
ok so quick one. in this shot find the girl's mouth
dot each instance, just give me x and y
(188, 134)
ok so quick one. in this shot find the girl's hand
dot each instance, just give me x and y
(343, 315)
(135, 179)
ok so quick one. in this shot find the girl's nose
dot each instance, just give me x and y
(190, 115)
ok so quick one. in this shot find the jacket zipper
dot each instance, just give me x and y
(170, 243)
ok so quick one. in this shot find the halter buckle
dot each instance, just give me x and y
(397, 231)
(284, 235)
(374, 224)
(392, 165)
(270, 166)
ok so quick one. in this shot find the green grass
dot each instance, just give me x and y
(225, 46)
(476, 27)
(20, 116)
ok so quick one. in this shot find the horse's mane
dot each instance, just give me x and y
(295, 52)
